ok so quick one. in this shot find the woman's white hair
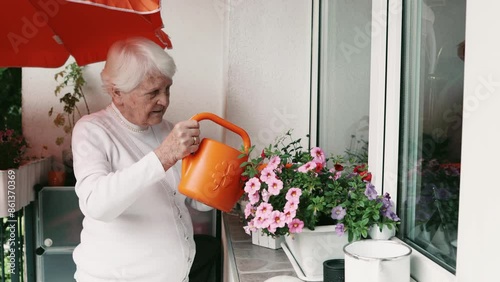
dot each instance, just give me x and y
(133, 60)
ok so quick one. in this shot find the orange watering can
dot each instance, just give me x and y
(212, 174)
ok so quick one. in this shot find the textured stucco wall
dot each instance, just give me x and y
(269, 68)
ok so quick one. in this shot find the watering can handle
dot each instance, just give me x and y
(224, 123)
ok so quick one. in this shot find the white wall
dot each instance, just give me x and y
(269, 68)
(478, 246)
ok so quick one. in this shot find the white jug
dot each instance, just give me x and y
(377, 261)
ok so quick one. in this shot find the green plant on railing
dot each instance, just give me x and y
(71, 76)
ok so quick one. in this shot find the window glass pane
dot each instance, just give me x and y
(431, 126)
(344, 77)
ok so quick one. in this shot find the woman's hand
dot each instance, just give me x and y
(183, 140)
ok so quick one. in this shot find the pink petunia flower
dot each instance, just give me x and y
(338, 174)
(289, 215)
(296, 226)
(276, 220)
(264, 209)
(265, 195)
(274, 162)
(274, 186)
(318, 156)
(267, 174)
(249, 210)
(293, 193)
(261, 221)
(307, 167)
(252, 185)
(292, 204)
(254, 198)
(249, 228)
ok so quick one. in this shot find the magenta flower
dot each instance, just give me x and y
(338, 213)
(307, 167)
(252, 185)
(293, 193)
(296, 226)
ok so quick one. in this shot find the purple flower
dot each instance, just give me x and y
(393, 216)
(340, 229)
(338, 213)
(370, 191)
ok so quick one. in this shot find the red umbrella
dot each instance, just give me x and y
(44, 33)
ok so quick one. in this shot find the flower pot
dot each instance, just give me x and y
(377, 260)
(386, 233)
(311, 248)
(56, 178)
(266, 241)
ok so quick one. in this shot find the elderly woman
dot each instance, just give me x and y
(137, 226)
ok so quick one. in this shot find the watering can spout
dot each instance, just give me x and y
(212, 174)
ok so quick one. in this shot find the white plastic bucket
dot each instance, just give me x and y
(377, 261)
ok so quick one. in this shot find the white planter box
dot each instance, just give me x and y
(22, 188)
(263, 240)
(311, 248)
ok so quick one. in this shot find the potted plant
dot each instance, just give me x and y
(438, 202)
(71, 76)
(12, 149)
(293, 190)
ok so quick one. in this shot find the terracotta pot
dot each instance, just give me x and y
(56, 178)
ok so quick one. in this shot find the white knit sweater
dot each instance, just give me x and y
(136, 227)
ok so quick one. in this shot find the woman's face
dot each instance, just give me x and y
(147, 103)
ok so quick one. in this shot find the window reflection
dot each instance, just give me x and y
(344, 86)
(431, 126)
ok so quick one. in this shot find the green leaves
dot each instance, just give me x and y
(324, 184)
(71, 76)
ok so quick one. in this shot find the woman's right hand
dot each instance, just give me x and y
(184, 139)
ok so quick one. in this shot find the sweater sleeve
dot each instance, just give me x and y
(105, 194)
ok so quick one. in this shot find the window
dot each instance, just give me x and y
(431, 127)
(344, 86)
(396, 68)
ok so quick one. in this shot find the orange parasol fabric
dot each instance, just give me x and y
(44, 33)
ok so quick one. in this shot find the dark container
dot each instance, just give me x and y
(333, 270)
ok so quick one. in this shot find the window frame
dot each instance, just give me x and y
(385, 91)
